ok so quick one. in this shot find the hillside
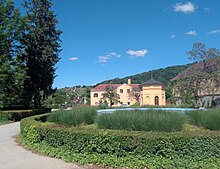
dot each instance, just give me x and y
(163, 75)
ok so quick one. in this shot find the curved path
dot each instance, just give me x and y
(12, 156)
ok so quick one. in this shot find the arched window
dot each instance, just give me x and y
(95, 95)
(156, 100)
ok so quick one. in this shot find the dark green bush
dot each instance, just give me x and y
(209, 119)
(123, 148)
(150, 120)
(17, 115)
(74, 117)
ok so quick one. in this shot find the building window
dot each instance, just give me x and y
(95, 95)
(156, 100)
(129, 103)
(128, 90)
(121, 90)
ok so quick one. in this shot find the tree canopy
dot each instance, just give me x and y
(29, 49)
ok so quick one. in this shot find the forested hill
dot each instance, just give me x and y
(163, 75)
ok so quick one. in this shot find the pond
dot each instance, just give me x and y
(180, 110)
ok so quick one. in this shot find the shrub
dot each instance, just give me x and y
(124, 148)
(17, 115)
(150, 120)
(209, 119)
(74, 117)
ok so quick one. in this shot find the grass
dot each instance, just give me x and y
(209, 119)
(150, 120)
(3, 121)
(74, 117)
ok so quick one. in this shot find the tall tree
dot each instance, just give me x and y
(200, 53)
(201, 80)
(110, 96)
(42, 42)
(12, 69)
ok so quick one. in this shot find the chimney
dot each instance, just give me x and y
(129, 81)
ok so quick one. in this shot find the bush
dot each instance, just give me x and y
(150, 120)
(74, 117)
(123, 148)
(17, 115)
(209, 119)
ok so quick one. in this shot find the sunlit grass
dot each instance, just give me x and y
(208, 119)
(74, 117)
(150, 120)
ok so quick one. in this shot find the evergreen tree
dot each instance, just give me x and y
(41, 53)
(12, 69)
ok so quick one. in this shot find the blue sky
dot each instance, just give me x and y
(104, 39)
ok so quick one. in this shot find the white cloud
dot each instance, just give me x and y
(214, 31)
(192, 33)
(111, 54)
(172, 36)
(184, 8)
(73, 59)
(107, 56)
(137, 53)
(103, 59)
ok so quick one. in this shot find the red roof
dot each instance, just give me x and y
(196, 67)
(101, 87)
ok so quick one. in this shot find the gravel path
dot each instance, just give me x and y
(12, 156)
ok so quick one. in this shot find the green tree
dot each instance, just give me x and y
(42, 46)
(12, 69)
(203, 80)
(110, 96)
(135, 94)
(200, 53)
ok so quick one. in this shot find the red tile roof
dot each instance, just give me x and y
(101, 87)
(196, 67)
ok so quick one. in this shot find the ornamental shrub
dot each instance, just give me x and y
(209, 119)
(17, 115)
(135, 149)
(150, 120)
(74, 117)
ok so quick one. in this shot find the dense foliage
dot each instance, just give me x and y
(29, 50)
(17, 115)
(41, 42)
(209, 119)
(74, 117)
(136, 120)
(12, 68)
(200, 79)
(123, 148)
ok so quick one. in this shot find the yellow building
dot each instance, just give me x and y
(123, 90)
(152, 93)
(149, 93)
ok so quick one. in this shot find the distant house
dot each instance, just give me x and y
(149, 93)
(207, 89)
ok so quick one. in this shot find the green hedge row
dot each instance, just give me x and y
(17, 115)
(204, 144)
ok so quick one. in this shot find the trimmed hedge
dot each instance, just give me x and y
(76, 141)
(17, 115)
(208, 119)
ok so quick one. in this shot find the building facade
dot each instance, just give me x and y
(152, 93)
(149, 93)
